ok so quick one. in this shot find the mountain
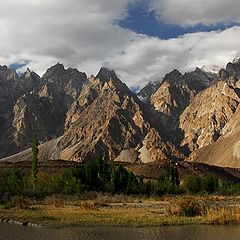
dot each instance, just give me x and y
(204, 119)
(84, 118)
(224, 117)
(192, 116)
(146, 92)
(175, 93)
(114, 121)
(34, 104)
(226, 151)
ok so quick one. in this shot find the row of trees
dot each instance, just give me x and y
(99, 175)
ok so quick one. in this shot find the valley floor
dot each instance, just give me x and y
(120, 210)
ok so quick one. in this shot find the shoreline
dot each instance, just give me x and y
(24, 224)
(129, 212)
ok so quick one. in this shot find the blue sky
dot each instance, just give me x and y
(141, 40)
(144, 21)
(18, 65)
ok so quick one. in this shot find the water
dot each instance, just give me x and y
(15, 232)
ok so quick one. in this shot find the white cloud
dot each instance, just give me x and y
(192, 12)
(147, 59)
(70, 31)
(81, 33)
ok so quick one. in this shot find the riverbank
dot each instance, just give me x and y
(124, 211)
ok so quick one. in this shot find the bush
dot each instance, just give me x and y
(210, 184)
(187, 207)
(192, 184)
(14, 182)
(49, 184)
(70, 182)
(20, 202)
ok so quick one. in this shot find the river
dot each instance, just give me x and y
(15, 232)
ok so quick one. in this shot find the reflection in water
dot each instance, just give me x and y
(14, 232)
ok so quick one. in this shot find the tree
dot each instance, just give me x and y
(192, 184)
(34, 160)
(14, 183)
(210, 183)
(171, 174)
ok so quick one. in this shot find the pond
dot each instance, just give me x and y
(203, 232)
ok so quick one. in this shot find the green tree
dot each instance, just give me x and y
(171, 174)
(210, 183)
(14, 183)
(192, 184)
(34, 160)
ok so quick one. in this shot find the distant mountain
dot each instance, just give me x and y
(204, 119)
(175, 93)
(225, 152)
(99, 116)
(192, 116)
(33, 104)
(146, 92)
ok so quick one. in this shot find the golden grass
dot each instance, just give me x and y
(110, 211)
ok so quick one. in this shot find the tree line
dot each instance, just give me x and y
(101, 176)
(106, 177)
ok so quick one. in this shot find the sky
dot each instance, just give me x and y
(141, 40)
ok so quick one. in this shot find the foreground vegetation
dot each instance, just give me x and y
(102, 193)
(121, 210)
(101, 176)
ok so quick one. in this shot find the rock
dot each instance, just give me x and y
(112, 121)
(77, 118)
(146, 92)
(37, 105)
(203, 120)
(175, 94)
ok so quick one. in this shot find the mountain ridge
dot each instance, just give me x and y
(78, 117)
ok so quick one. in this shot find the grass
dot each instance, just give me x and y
(104, 210)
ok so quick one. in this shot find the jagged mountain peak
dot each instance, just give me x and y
(233, 69)
(54, 73)
(28, 74)
(214, 69)
(57, 74)
(236, 60)
(3, 68)
(100, 115)
(8, 74)
(57, 67)
(105, 74)
(146, 92)
(173, 77)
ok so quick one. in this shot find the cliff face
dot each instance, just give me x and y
(99, 116)
(32, 104)
(203, 120)
(77, 118)
(105, 120)
(225, 152)
(175, 93)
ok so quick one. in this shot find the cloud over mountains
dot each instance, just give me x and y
(85, 34)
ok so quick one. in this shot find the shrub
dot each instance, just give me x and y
(70, 183)
(14, 182)
(187, 207)
(20, 202)
(192, 184)
(210, 184)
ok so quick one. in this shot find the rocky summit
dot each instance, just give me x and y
(183, 117)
